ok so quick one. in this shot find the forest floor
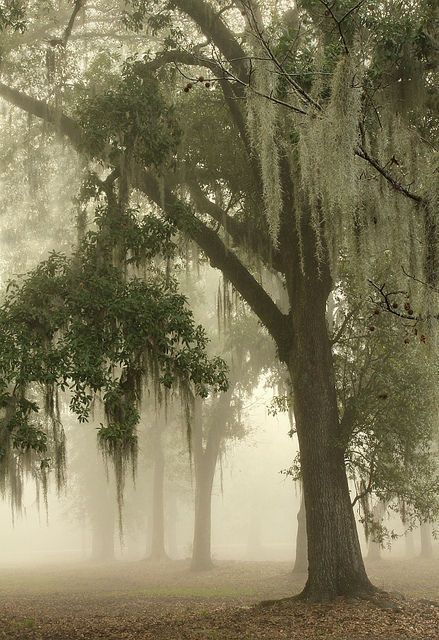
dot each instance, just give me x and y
(143, 601)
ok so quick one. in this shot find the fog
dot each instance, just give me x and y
(219, 327)
(253, 506)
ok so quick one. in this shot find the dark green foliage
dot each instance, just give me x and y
(386, 383)
(80, 325)
(12, 15)
(132, 116)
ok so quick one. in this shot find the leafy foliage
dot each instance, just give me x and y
(78, 324)
(12, 15)
(134, 116)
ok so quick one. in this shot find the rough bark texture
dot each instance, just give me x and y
(336, 565)
(301, 562)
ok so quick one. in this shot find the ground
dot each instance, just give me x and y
(142, 601)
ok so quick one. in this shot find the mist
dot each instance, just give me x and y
(219, 278)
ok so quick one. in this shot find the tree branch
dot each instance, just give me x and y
(213, 27)
(220, 257)
(397, 186)
(207, 239)
(261, 245)
(68, 30)
(221, 76)
(63, 124)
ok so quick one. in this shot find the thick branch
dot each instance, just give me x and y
(238, 231)
(207, 239)
(220, 257)
(68, 30)
(213, 27)
(41, 109)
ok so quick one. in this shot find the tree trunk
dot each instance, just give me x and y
(409, 544)
(373, 551)
(102, 522)
(205, 459)
(158, 551)
(201, 551)
(375, 548)
(172, 524)
(102, 545)
(426, 540)
(335, 562)
(301, 562)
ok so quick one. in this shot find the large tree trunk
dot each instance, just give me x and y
(201, 551)
(335, 562)
(301, 562)
(426, 540)
(158, 551)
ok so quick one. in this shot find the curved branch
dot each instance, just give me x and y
(237, 230)
(221, 76)
(62, 123)
(213, 27)
(68, 30)
(220, 257)
(207, 239)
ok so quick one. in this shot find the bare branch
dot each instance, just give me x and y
(68, 30)
(395, 184)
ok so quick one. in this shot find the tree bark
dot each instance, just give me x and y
(335, 562)
(426, 540)
(301, 562)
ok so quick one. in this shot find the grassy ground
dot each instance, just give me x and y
(141, 601)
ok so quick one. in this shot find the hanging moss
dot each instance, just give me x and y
(85, 325)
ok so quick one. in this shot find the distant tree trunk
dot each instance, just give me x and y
(375, 548)
(158, 551)
(102, 522)
(301, 562)
(373, 551)
(409, 544)
(201, 552)
(205, 460)
(426, 540)
(171, 525)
